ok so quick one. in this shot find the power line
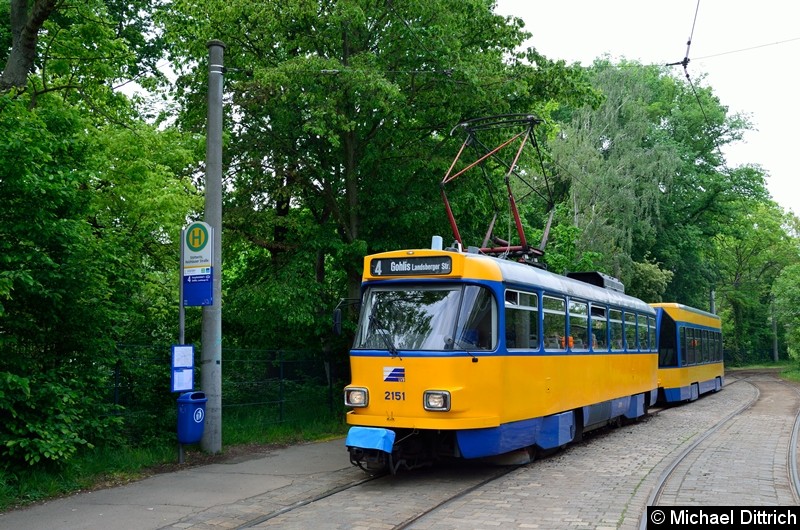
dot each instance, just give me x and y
(685, 61)
(749, 49)
(685, 64)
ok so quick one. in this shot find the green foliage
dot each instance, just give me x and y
(141, 389)
(5, 25)
(247, 426)
(650, 192)
(563, 254)
(88, 257)
(272, 304)
(792, 373)
(342, 114)
(282, 410)
(83, 49)
(82, 208)
(617, 158)
(749, 258)
(133, 25)
(88, 469)
(54, 284)
(338, 120)
(648, 281)
(49, 416)
(786, 293)
(110, 464)
(143, 194)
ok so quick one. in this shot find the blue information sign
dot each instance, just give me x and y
(198, 289)
(196, 270)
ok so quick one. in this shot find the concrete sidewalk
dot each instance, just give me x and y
(169, 499)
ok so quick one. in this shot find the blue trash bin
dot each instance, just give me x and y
(191, 417)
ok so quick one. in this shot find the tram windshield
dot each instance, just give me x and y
(442, 317)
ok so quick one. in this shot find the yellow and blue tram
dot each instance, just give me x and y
(690, 359)
(461, 354)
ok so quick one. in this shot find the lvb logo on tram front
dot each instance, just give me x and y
(196, 237)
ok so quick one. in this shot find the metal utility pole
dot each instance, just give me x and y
(774, 318)
(211, 359)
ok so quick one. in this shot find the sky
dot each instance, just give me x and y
(747, 50)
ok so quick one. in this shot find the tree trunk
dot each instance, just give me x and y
(25, 26)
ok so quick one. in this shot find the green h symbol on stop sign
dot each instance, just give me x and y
(196, 237)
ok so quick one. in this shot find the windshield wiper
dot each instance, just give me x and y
(383, 331)
(470, 348)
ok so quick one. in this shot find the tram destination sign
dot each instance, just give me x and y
(421, 266)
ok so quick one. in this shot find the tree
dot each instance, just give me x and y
(751, 256)
(786, 294)
(26, 20)
(648, 184)
(339, 136)
(89, 47)
(92, 204)
(617, 159)
(54, 291)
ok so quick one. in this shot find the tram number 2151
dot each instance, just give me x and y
(394, 396)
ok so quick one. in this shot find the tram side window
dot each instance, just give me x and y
(698, 346)
(599, 328)
(717, 346)
(706, 345)
(555, 322)
(651, 326)
(691, 353)
(684, 347)
(630, 331)
(641, 331)
(522, 320)
(578, 325)
(687, 346)
(712, 346)
(615, 320)
(477, 321)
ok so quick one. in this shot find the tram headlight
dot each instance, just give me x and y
(356, 397)
(436, 400)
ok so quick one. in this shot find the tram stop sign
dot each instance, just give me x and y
(197, 267)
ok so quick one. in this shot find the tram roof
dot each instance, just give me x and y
(685, 313)
(527, 275)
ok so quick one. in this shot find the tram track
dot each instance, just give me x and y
(792, 453)
(604, 480)
(448, 484)
(300, 504)
(419, 516)
(692, 456)
(450, 487)
(369, 501)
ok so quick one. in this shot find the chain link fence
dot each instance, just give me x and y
(259, 388)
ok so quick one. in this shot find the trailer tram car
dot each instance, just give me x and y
(690, 359)
(460, 354)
